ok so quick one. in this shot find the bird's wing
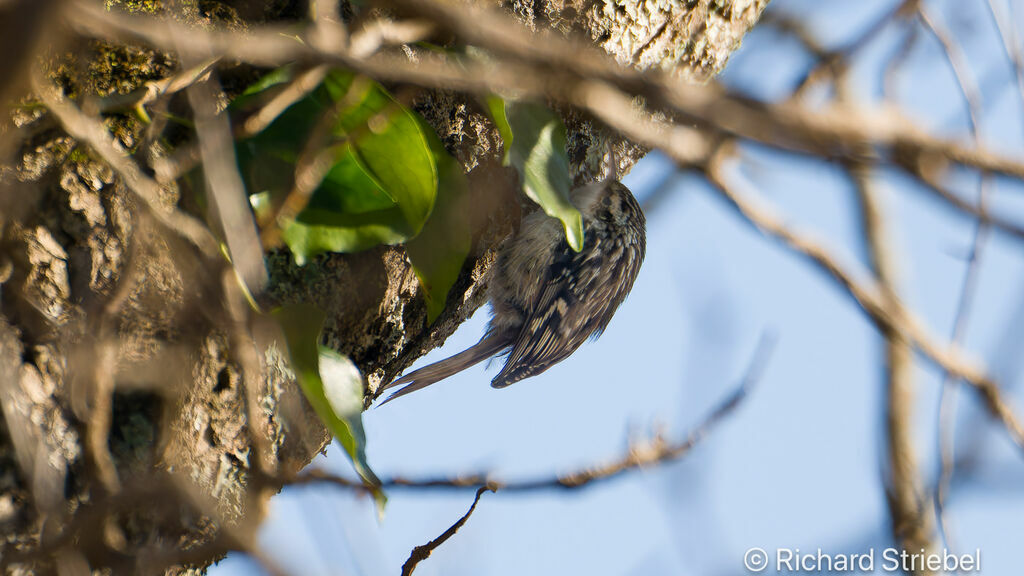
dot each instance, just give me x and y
(575, 303)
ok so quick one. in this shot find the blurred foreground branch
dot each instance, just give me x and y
(645, 454)
(111, 267)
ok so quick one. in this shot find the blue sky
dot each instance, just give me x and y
(798, 465)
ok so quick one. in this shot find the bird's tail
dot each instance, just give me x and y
(482, 350)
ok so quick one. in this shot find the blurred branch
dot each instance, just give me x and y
(1011, 45)
(834, 63)
(696, 125)
(187, 156)
(152, 91)
(295, 90)
(92, 132)
(957, 60)
(653, 452)
(948, 394)
(542, 65)
(894, 65)
(423, 552)
(886, 313)
(980, 211)
(229, 203)
(911, 524)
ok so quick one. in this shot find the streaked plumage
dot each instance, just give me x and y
(546, 298)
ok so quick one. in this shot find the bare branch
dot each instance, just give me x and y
(911, 523)
(304, 83)
(152, 91)
(833, 131)
(886, 313)
(650, 453)
(1010, 44)
(948, 393)
(835, 63)
(92, 132)
(423, 552)
(229, 202)
(958, 62)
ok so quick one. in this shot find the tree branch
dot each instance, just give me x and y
(423, 551)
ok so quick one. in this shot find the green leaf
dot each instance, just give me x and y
(331, 383)
(273, 78)
(390, 142)
(439, 251)
(349, 172)
(537, 151)
(497, 108)
(319, 231)
(335, 221)
(382, 184)
(391, 179)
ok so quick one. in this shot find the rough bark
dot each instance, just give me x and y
(102, 305)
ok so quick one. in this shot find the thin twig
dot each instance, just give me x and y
(187, 156)
(649, 453)
(229, 203)
(892, 69)
(958, 62)
(980, 212)
(379, 33)
(948, 392)
(1011, 45)
(153, 90)
(838, 61)
(297, 89)
(423, 551)
(92, 132)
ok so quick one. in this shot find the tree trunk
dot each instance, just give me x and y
(116, 359)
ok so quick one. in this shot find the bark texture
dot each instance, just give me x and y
(103, 312)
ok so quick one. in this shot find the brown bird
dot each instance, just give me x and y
(546, 298)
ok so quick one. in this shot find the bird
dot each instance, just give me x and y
(546, 298)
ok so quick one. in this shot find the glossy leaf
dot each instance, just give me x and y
(382, 185)
(439, 251)
(538, 152)
(331, 383)
(319, 231)
(390, 142)
(391, 180)
(496, 106)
